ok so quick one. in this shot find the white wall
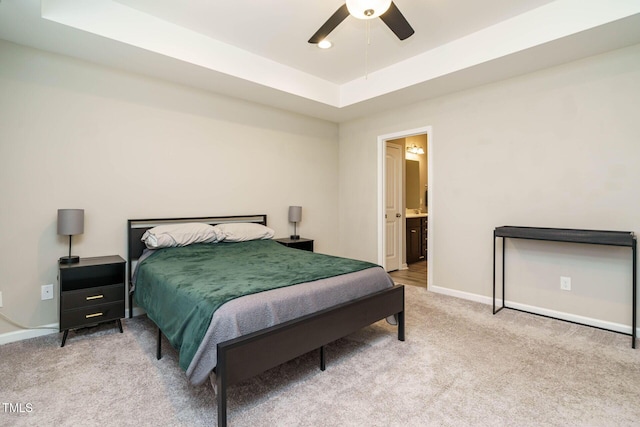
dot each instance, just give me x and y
(556, 148)
(78, 135)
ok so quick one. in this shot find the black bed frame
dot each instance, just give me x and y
(278, 344)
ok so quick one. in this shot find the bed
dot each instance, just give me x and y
(278, 324)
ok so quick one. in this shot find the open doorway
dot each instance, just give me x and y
(413, 235)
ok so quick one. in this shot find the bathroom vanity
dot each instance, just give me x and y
(416, 237)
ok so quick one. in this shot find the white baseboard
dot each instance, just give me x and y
(25, 334)
(460, 294)
(617, 327)
(53, 328)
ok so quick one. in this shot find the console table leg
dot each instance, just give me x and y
(494, 272)
(504, 250)
(634, 300)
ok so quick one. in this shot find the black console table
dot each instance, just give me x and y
(594, 237)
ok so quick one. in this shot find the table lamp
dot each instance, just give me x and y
(295, 215)
(70, 223)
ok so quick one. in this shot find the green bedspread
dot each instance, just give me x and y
(181, 288)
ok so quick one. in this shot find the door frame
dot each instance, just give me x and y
(382, 151)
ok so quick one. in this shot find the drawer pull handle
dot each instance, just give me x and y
(95, 297)
(89, 316)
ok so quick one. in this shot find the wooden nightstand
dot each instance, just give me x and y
(91, 292)
(304, 244)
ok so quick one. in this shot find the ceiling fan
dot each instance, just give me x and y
(366, 9)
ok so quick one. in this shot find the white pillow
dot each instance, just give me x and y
(243, 231)
(171, 235)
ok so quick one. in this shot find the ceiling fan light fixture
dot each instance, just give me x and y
(367, 9)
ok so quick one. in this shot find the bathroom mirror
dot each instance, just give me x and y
(412, 179)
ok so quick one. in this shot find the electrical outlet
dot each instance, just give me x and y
(46, 292)
(565, 283)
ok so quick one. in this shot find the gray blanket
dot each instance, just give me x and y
(258, 311)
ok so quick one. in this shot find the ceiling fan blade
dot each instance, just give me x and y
(335, 20)
(396, 22)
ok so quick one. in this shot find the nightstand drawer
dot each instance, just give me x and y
(89, 315)
(92, 296)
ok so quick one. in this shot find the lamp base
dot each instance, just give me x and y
(72, 259)
(294, 237)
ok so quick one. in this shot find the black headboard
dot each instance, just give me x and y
(137, 227)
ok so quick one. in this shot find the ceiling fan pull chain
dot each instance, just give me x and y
(366, 51)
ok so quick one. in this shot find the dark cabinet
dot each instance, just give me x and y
(416, 239)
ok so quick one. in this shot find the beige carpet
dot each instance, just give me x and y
(460, 366)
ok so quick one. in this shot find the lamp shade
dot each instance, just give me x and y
(70, 222)
(295, 213)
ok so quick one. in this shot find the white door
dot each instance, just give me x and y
(393, 207)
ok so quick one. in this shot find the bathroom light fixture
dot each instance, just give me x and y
(295, 216)
(70, 223)
(367, 9)
(414, 149)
